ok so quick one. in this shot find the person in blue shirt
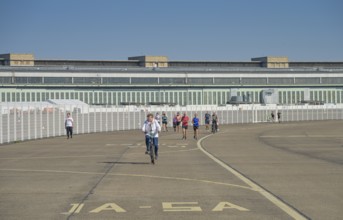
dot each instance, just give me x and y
(195, 122)
(207, 120)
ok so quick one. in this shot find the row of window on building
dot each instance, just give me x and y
(171, 81)
(200, 97)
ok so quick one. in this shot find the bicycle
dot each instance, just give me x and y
(152, 148)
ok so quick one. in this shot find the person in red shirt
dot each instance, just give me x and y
(184, 121)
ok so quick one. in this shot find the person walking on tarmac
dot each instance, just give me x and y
(279, 117)
(68, 123)
(215, 122)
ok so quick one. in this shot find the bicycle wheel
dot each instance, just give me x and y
(152, 152)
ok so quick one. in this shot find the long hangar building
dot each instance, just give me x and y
(155, 79)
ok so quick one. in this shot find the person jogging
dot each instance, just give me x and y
(184, 121)
(195, 122)
(174, 122)
(164, 121)
(179, 118)
(68, 124)
(151, 127)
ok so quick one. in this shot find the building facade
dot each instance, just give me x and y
(153, 79)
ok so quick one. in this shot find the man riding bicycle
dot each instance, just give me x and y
(151, 128)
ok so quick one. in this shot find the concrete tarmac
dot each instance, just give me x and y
(256, 171)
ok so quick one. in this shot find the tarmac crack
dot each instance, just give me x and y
(91, 191)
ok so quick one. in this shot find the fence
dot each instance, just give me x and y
(33, 121)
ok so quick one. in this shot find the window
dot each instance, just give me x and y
(129, 96)
(5, 80)
(146, 80)
(165, 96)
(134, 97)
(28, 99)
(115, 98)
(144, 97)
(86, 97)
(119, 97)
(91, 98)
(180, 98)
(172, 81)
(200, 81)
(226, 81)
(110, 98)
(307, 80)
(81, 96)
(33, 96)
(139, 97)
(18, 96)
(96, 97)
(152, 97)
(280, 81)
(338, 97)
(58, 80)
(116, 80)
(289, 97)
(185, 96)
(104, 98)
(123, 97)
(87, 80)
(215, 101)
(254, 81)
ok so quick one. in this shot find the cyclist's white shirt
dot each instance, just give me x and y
(153, 127)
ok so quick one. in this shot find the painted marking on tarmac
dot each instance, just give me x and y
(182, 144)
(302, 136)
(276, 201)
(175, 207)
(133, 175)
(172, 146)
(145, 207)
(30, 158)
(166, 207)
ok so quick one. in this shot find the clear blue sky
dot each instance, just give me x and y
(222, 30)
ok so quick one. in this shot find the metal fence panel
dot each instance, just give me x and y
(31, 121)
